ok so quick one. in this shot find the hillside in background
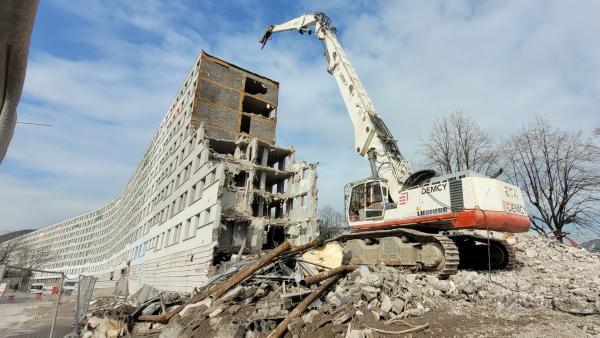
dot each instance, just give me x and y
(10, 235)
(592, 246)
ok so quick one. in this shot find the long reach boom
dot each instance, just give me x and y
(372, 138)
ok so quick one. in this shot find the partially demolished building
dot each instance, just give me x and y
(212, 183)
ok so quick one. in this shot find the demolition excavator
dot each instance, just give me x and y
(415, 219)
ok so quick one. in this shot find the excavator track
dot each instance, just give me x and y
(407, 238)
(475, 255)
(452, 259)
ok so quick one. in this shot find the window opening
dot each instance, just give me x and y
(245, 124)
(254, 87)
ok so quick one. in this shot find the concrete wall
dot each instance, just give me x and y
(222, 95)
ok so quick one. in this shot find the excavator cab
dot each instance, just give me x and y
(365, 199)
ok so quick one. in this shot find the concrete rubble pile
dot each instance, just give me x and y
(548, 275)
(111, 316)
(107, 316)
(371, 301)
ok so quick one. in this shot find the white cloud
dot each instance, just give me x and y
(499, 62)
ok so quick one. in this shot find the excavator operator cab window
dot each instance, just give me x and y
(366, 201)
(357, 203)
(374, 206)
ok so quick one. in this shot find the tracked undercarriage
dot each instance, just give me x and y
(442, 253)
(476, 254)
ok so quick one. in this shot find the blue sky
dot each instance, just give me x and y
(103, 73)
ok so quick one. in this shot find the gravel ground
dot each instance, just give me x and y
(29, 317)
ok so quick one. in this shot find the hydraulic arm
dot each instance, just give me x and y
(372, 138)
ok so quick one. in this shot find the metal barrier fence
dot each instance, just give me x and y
(85, 289)
(34, 303)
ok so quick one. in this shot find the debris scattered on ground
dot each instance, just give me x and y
(285, 292)
(115, 316)
(112, 307)
(104, 327)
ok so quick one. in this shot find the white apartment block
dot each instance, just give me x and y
(210, 181)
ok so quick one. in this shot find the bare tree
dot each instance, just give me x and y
(457, 143)
(559, 173)
(8, 250)
(15, 252)
(331, 221)
(330, 217)
(27, 256)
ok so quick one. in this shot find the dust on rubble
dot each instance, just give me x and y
(554, 290)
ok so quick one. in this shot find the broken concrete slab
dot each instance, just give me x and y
(369, 292)
(232, 294)
(204, 304)
(386, 305)
(145, 293)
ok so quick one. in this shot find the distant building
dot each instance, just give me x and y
(210, 181)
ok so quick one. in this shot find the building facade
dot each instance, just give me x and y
(210, 183)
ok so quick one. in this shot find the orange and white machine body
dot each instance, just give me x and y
(462, 201)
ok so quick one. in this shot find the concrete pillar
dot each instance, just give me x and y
(265, 156)
(263, 180)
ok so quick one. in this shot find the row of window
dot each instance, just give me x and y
(187, 229)
(71, 241)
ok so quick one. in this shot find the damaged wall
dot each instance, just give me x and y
(211, 181)
(234, 102)
(269, 197)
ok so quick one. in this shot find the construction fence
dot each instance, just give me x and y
(85, 289)
(38, 303)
